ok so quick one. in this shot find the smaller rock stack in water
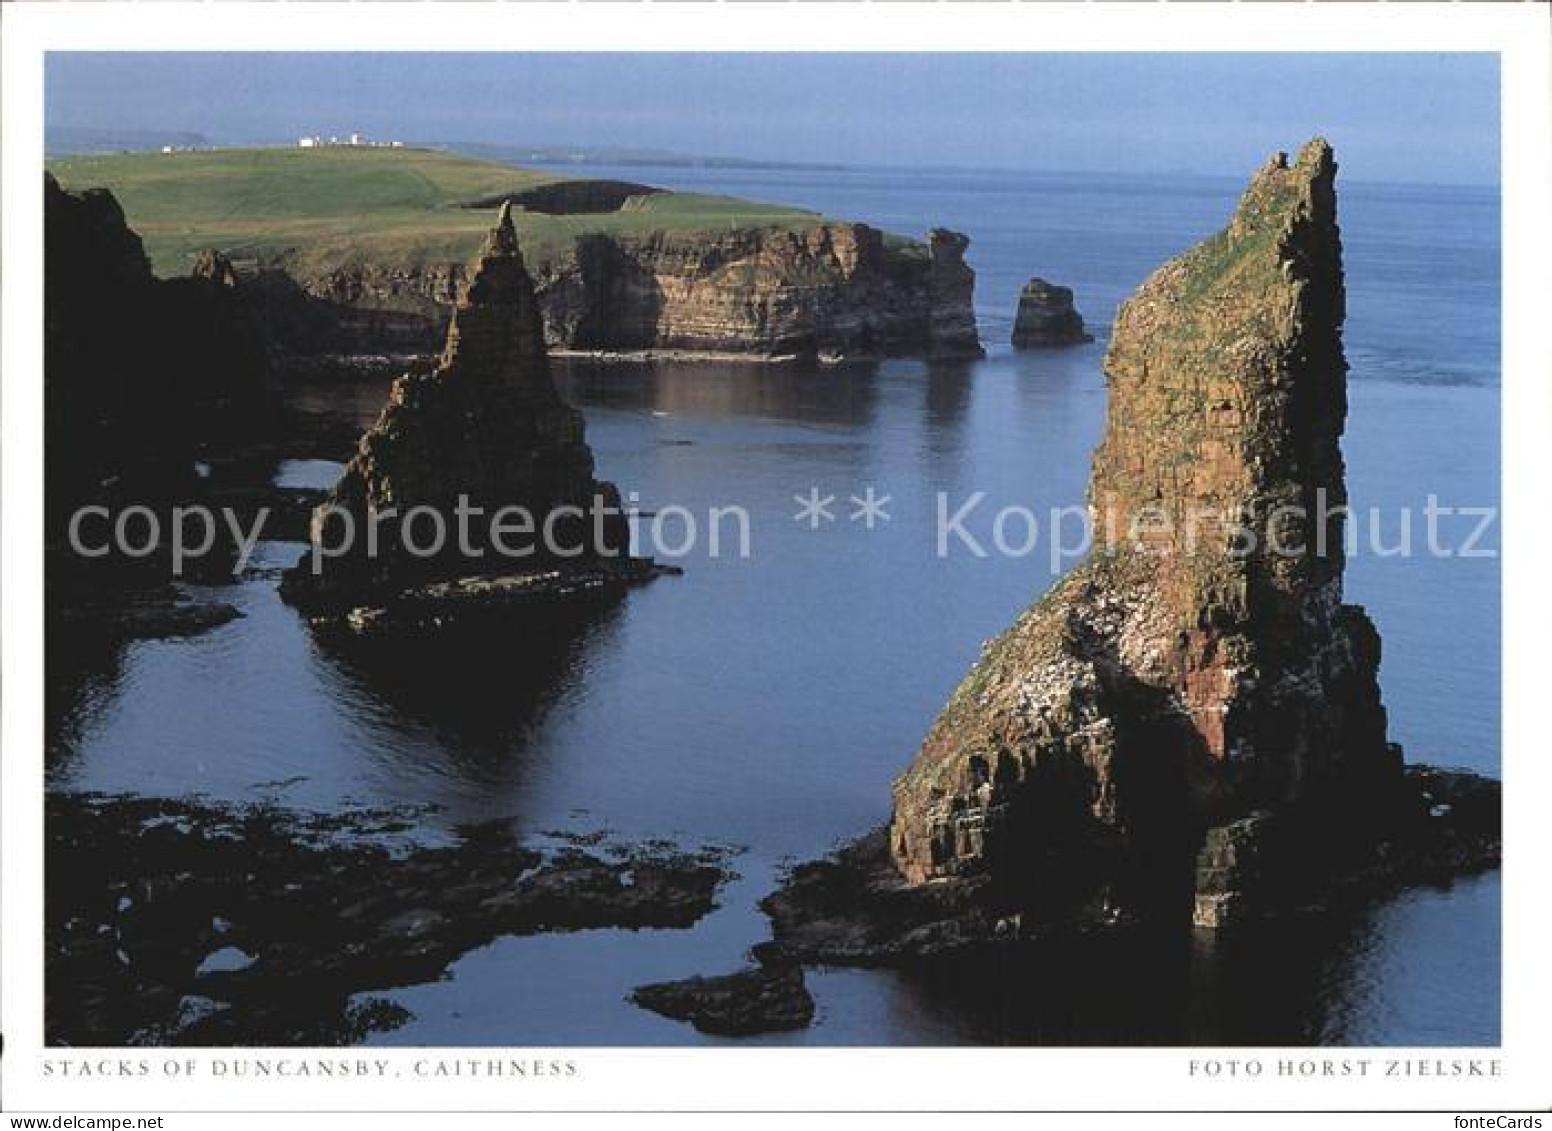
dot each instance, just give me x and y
(486, 431)
(1200, 669)
(1047, 318)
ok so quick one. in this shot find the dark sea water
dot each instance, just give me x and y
(768, 701)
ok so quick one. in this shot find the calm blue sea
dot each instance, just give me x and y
(767, 702)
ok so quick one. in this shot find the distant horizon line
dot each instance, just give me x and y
(671, 159)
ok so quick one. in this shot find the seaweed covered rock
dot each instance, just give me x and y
(196, 923)
(761, 1000)
(1200, 665)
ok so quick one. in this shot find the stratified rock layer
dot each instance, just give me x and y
(1201, 665)
(486, 430)
(833, 288)
(1047, 317)
(829, 288)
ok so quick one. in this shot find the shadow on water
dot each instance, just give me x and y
(1283, 984)
(475, 692)
(949, 386)
(83, 673)
(840, 396)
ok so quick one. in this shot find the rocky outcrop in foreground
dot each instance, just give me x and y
(1188, 727)
(761, 1000)
(485, 433)
(1046, 318)
(827, 289)
(183, 923)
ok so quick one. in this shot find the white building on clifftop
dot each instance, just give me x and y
(355, 140)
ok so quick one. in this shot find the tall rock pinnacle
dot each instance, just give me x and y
(486, 429)
(1200, 665)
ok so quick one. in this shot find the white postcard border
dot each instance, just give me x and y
(741, 1079)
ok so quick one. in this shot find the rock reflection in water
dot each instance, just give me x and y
(1289, 984)
(477, 690)
(839, 396)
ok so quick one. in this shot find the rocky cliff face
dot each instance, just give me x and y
(833, 288)
(141, 377)
(1201, 665)
(486, 430)
(140, 373)
(1047, 317)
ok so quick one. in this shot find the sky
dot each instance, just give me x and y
(1392, 117)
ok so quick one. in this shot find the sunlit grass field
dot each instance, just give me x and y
(335, 206)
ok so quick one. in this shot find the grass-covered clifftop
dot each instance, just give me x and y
(338, 206)
(365, 251)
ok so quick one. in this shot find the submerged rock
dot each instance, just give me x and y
(152, 612)
(485, 435)
(1200, 666)
(1046, 317)
(734, 1005)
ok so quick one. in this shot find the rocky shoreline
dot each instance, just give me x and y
(855, 909)
(475, 599)
(701, 357)
(185, 922)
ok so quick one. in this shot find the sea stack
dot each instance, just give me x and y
(486, 430)
(1196, 688)
(951, 329)
(1046, 318)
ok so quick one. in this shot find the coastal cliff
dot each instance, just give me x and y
(143, 379)
(141, 375)
(838, 289)
(364, 251)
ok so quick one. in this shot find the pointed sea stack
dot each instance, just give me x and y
(1188, 727)
(486, 431)
(1200, 666)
